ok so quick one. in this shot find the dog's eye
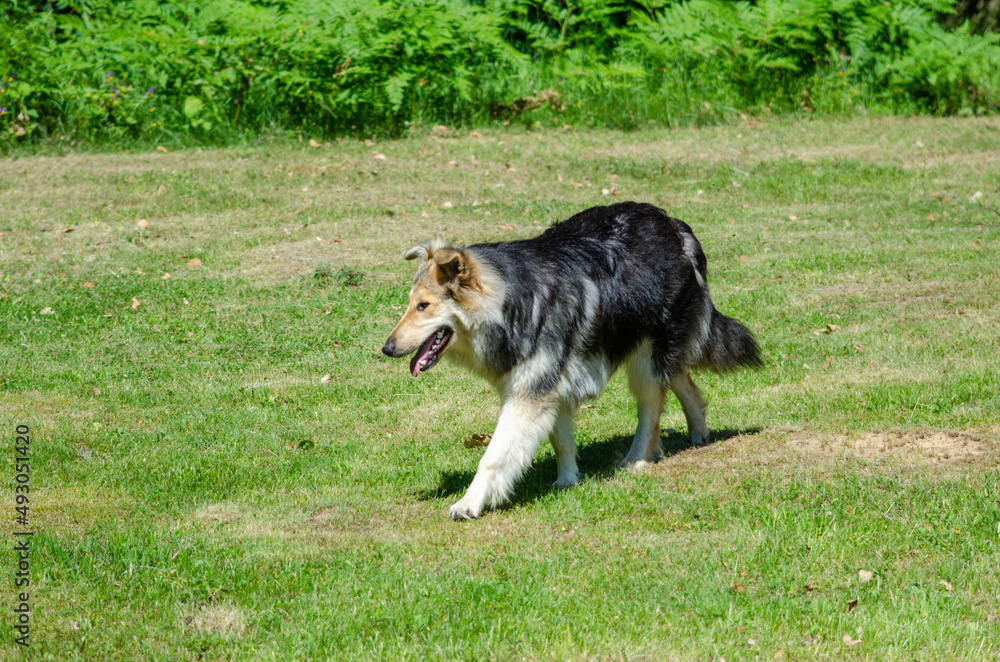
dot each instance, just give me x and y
(422, 306)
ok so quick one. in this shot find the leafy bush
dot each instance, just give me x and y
(121, 72)
(830, 55)
(109, 71)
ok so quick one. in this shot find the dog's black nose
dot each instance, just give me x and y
(389, 348)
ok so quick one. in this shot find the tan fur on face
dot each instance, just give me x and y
(451, 281)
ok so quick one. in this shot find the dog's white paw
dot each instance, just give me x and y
(633, 465)
(465, 510)
(568, 480)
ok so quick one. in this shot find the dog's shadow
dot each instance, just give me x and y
(596, 461)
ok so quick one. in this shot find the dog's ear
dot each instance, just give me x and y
(450, 263)
(420, 250)
(424, 251)
(455, 268)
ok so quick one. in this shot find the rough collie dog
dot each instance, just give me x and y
(548, 320)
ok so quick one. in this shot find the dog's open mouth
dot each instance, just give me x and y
(430, 351)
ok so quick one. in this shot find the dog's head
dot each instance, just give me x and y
(447, 277)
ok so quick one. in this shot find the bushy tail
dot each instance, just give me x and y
(730, 346)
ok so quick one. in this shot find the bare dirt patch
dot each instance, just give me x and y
(945, 451)
(921, 447)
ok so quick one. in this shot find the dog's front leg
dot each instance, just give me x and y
(521, 428)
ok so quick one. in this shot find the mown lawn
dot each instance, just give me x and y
(225, 466)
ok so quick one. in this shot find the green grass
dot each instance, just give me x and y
(199, 493)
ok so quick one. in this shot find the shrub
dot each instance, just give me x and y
(110, 71)
(121, 72)
(828, 54)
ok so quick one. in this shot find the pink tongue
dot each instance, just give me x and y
(424, 351)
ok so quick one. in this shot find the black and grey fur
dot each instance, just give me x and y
(553, 317)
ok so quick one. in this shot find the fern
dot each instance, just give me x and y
(364, 66)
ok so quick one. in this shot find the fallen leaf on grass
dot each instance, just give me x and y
(326, 379)
(194, 263)
(368, 143)
(851, 604)
(95, 391)
(165, 277)
(446, 204)
(379, 156)
(161, 148)
(849, 641)
(135, 304)
(65, 230)
(143, 224)
(475, 134)
(478, 439)
(47, 310)
(947, 585)
(865, 576)
(737, 588)
(313, 142)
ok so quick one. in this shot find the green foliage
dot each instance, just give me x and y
(174, 71)
(827, 55)
(354, 65)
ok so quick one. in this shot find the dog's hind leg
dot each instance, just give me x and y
(564, 446)
(649, 394)
(521, 428)
(694, 406)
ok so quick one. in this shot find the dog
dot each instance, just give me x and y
(548, 320)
